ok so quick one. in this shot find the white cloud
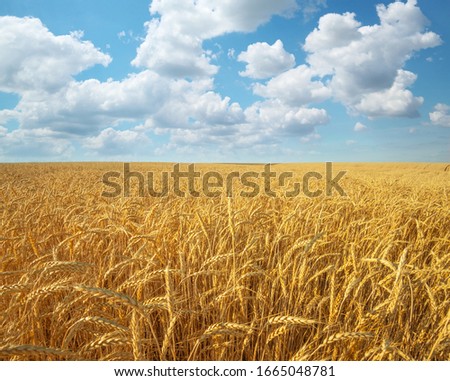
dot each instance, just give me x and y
(175, 94)
(111, 142)
(82, 108)
(197, 106)
(278, 118)
(365, 62)
(174, 48)
(294, 87)
(211, 18)
(88, 110)
(77, 34)
(265, 61)
(34, 144)
(263, 124)
(441, 115)
(33, 58)
(85, 108)
(173, 45)
(169, 52)
(8, 114)
(359, 127)
(334, 31)
(211, 109)
(394, 101)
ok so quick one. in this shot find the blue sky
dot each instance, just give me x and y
(214, 81)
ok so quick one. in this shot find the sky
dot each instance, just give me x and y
(224, 80)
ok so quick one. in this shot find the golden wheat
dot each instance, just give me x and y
(361, 277)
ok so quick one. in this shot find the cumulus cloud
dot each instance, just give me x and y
(34, 144)
(198, 107)
(111, 142)
(33, 58)
(85, 108)
(277, 118)
(359, 127)
(365, 62)
(8, 114)
(294, 87)
(174, 49)
(211, 18)
(265, 61)
(286, 109)
(173, 54)
(82, 108)
(394, 101)
(174, 92)
(441, 115)
(211, 109)
(263, 124)
(173, 44)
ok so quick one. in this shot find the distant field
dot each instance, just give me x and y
(360, 276)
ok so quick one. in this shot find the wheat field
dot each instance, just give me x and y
(360, 277)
